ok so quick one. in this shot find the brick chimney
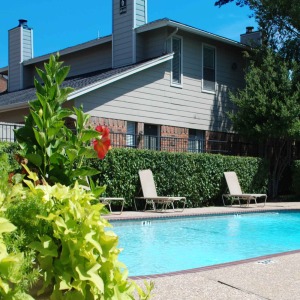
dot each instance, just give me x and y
(20, 49)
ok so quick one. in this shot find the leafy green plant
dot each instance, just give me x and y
(12, 268)
(77, 254)
(53, 150)
(22, 213)
(80, 259)
(8, 157)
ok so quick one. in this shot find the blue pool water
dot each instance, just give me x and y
(166, 245)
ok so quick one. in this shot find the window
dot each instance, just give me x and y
(209, 69)
(151, 137)
(130, 134)
(196, 140)
(177, 61)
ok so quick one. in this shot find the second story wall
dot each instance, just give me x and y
(149, 96)
(91, 60)
(152, 43)
(82, 62)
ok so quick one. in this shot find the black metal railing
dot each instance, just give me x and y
(7, 133)
(159, 143)
(173, 144)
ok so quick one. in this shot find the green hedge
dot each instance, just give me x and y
(199, 177)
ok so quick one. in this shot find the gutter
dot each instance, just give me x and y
(10, 107)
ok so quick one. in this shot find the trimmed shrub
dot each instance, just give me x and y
(199, 177)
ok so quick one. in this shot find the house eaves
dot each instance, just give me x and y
(167, 22)
(140, 67)
(69, 50)
(82, 84)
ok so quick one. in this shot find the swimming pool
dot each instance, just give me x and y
(157, 246)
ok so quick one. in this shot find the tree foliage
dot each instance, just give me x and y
(271, 94)
(268, 109)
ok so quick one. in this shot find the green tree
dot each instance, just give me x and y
(268, 110)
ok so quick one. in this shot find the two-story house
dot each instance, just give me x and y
(157, 84)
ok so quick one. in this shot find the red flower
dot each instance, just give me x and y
(102, 144)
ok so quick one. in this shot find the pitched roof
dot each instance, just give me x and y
(82, 84)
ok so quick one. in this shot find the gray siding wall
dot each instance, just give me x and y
(140, 14)
(152, 44)
(89, 60)
(81, 62)
(155, 43)
(27, 44)
(28, 75)
(123, 34)
(140, 42)
(14, 59)
(148, 96)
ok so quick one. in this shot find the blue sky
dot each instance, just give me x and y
(58, 24)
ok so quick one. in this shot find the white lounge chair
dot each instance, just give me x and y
(236, 194)
(150, 194)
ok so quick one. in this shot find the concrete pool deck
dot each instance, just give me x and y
(275, 277)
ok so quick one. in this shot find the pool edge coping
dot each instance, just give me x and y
(215, 267)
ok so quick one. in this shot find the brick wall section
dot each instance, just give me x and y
(116, 126)
(174, 138)
(3, 84)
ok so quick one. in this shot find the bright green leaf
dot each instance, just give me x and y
(40, 137)
(37, 119)
(6, 226)
(35, 158)
(89, 134)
